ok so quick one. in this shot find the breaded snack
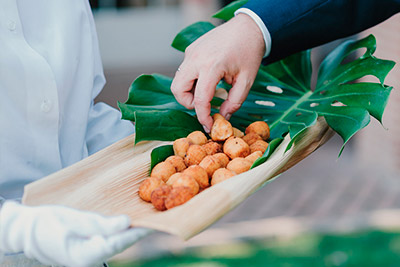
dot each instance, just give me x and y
(187, 181)
(259, 127)
(210, 164)
(197, 138)
(223, 159)
(163, 170)
(212, 147)
(174, 177)
(239, 165)
(235, 147)
(259, 145)
(254, 156)
(148, 186)
(178, 196)
(221, 130)
(251, 138)
(177, 162)
(159, 195)
(217, 116)
(199, 174)
(220, 175)
(180, 146)
(194, 155)
(237, 132)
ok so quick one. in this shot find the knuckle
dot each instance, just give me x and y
(234, 106)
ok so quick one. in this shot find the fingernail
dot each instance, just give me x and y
(206, 129)
(228, 116)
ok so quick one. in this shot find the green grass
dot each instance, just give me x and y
(372, 248)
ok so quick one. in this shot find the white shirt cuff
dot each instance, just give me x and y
(261, 25)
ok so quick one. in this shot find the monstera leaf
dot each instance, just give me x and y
(282, 94)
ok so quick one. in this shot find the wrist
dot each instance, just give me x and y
(261, 26)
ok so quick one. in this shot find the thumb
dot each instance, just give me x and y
(119, 242)
(89, 224)
(99, 248)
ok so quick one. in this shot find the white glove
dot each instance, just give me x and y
(57, 235)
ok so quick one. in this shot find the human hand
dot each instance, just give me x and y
(232, 51)
(57, 235)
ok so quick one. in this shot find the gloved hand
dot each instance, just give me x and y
(64, 236)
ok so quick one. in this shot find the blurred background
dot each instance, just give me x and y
(325, 211)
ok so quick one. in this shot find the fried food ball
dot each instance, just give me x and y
(259, 127)
(218, 116)
(223, 159)
(220, 175)
(235, 147)
(251, 138)
(180, 146)
(237, 132)
(178, 196)
(177, 162)
(212, 147)
(210, 164)
(221, 130)
(174, 177)
(148, 186)
(239, 165)
(159, 195)
(163, 170)
(199, 174)
(187, 181)
(197, 138)
(254, 156)
(259, 145)
(194, 155)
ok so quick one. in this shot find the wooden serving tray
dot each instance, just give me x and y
(108, 182)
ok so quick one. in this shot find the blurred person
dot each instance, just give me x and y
(50, 72)
(265, 31)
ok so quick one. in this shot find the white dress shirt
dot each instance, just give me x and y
(50, 72)
(261, 26)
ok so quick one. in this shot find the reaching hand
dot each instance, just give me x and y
(64, 236)
(232, 51)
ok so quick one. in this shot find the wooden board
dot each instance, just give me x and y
(108, 181)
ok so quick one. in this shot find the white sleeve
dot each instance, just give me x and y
(261, 25)
(105, 127)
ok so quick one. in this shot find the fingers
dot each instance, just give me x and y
(203, 95)
(182, 86)
(97, 249)
(237, 95)
(122, 241)
(89, 224)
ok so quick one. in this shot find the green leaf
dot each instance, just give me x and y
(345, 103)
(149, 93)
(270, 149)
(190, 34)
(228, 11)
(160, 154)
(167, 125)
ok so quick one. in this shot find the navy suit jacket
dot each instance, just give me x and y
(296, 25)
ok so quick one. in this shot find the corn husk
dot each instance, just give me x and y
(108, 182)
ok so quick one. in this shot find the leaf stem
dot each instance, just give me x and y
(288, 111)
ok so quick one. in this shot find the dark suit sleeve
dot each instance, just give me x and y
(296, 25)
